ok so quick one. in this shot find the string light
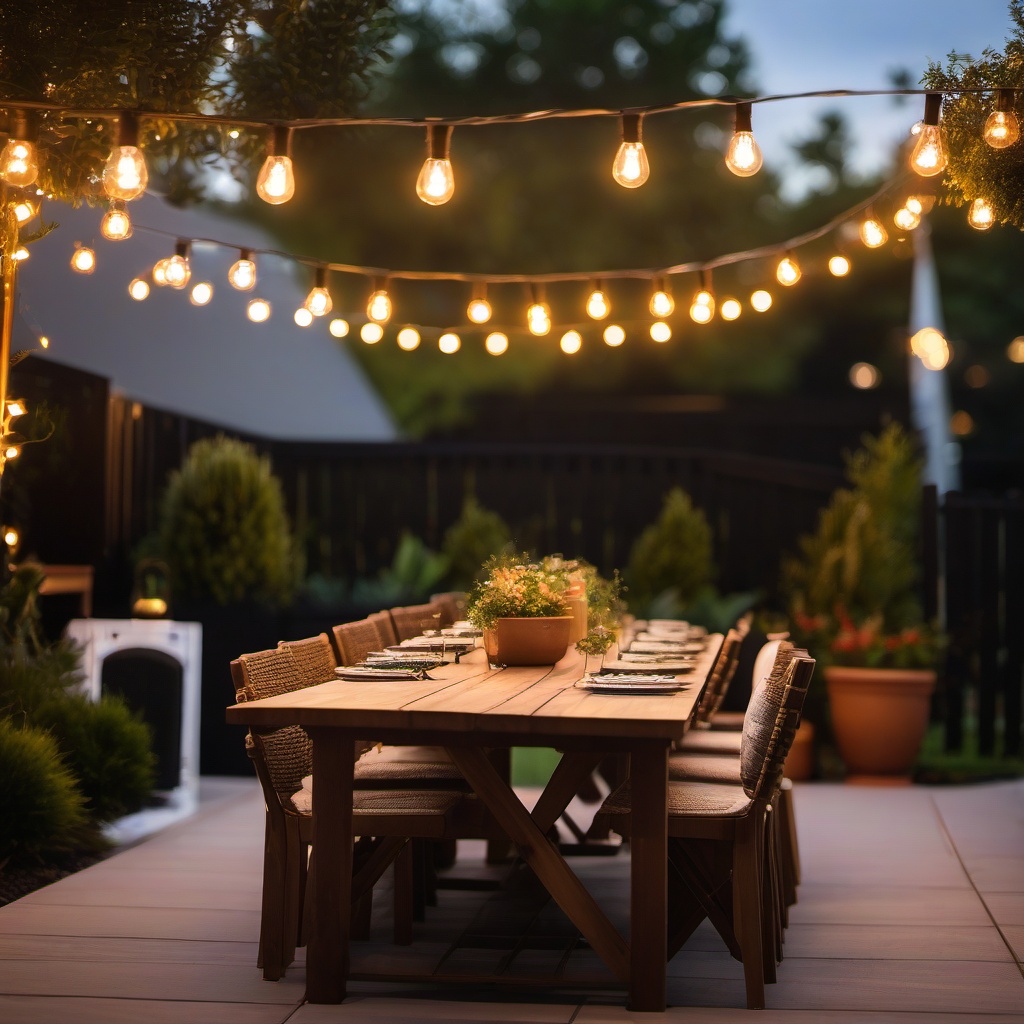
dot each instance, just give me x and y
(449, 343)
(743, 156)
(839, 265)
(302, 316)
(906, 219)
(275, 184)
(702, 309)
(598, 306)
(872, 232)
(242, 274)
(160, 272)
(928, 157)
(613, 335)
(660, 331)
(981, 216)
(138, 289)
(630, 168)
(125, 175)
(177, 270)
(339, 327)
(318, 301)
(371, 332)
(408, 339)
(864, 376)
(258, 310)
(788, 271)
(1002, 129)
(83, 260)
(435, 184)
(201, 294)
(21, 253)
(378, 307)
(761, 300)
(19, 161)
(538, 315)
(730, 309)
(479, 309)
(116, 225)
(25, 209)
(571, 342)
(496, 343)
(662, 304)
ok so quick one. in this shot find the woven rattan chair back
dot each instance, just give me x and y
(411, 620)
(721, 676)
(385, 626)
(354, 640)
(450, 606)
(314, 657)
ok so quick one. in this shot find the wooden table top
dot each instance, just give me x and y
(529, 703)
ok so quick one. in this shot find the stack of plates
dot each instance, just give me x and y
(632, 684)
(362, 672)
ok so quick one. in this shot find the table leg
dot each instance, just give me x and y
(648, 935)
(327, 953)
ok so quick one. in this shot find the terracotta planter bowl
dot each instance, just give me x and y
(537, 641)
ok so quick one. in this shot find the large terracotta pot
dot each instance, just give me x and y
(799, 764)
(538, 641)
(879, 717)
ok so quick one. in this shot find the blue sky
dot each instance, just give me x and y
(802, 45)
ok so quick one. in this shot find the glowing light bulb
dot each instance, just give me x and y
(597, 305)
(571, 342)
(408, 339)
(743, 156)
(378, 308)
(839, 265)
(318, 301)
(19, 161)
(864, 376)
(788, 271)
(177, 272)
(371, 332)
(702, 309)
(339, 328)
(1015, 350)
(730, 309)
(258, 310)
(15, 408)
(21, 253)
(24, 210)
(83, 260)
(435, 184)
(496, 343)
(928, 157)
(11, 452)
(613, 335)
(914, 205)
(1002, 128)
(116, 224)
(11, 536)
(302, 317)
(630, 168)
(138, 289)
(872, 233)
(981, 215)
(660, 331)
(761, 300)
(160, 272)
(44, 341)
(449, 343)
(662, 304)
(125, 175)
(275, 183)
(201, 293)
(906, 219)
(538, 318)
(924, 339)
(479, 310)
(242, 274)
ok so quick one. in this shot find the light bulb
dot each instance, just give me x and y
(496, 343)
(201, 293)
(788, 271)
(177, 271)
(160, 272)
(914, 205)
(1002, 128)
(662, 304)
(743, 156)
(839, 265)
(15, 408)
(138, 289)
(19, 161)
(981, 215)
(371, 332)
(116, 224)
(597, 305)
(906, 219)
(318, 301)
(538, 318)
(761, 300)
(302, 317)
(125, 175)
(702, 309)
(258, 310)
(1015, 350)
(11, 452)
(435, 184)
(408, 339)
(242, 274)
(872, 233)
(339, 328)
(571, 342)
(864, 376)
(613, 335)
(630, 168)
(378, 308)
(11, 536)
(660, 331)
(83, 260)
(449, 343)
(730, 309)
(929, 154)
(925, 339)
(44, 341)
(21, 253)
(275, 184)
(479, 310)
(25, 209)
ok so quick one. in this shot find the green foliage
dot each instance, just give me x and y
(515, 587)
(41, 809)
(672, 555)
(415, 573)
(223, 528)
(716, 612)
(477, 534)
(106, 747)
(976, 170)
(27, 682)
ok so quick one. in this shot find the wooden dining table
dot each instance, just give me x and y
(470, 708)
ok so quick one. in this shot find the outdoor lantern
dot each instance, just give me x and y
(151, 589)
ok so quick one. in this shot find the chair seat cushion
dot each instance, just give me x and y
(384, 802)
(727, 721)
(710, 741)
(687, 800)
(698, 767)
(407, 766)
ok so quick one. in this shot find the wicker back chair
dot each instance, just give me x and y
(385, 626)
(451, 604)
(411, 620)
(721, 676)
(353, 641)
(314, 657)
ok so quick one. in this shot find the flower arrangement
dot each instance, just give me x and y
(516, 587)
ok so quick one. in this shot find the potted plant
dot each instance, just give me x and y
(854, 604)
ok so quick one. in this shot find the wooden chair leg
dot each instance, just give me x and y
(747, 859)
(790, 847)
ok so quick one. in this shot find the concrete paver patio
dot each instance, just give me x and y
(911, 910)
